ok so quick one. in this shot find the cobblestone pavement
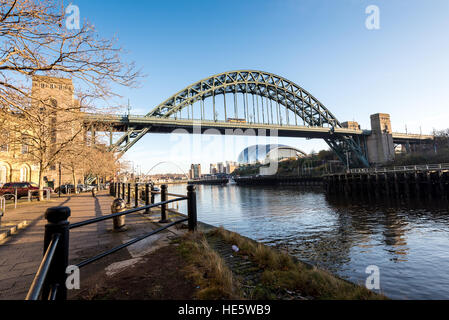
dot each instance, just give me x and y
(21, 253)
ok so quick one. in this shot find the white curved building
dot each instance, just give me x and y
(262, 153)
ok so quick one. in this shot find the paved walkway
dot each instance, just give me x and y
(21, 254)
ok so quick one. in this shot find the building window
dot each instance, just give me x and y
(3, 174)
(24, 147)
(24, 174)
(4, 148)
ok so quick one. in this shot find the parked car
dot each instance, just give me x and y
(66, 187)
(82, 188)
(8, 190)
(89, 187)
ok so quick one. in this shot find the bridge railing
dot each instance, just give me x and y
(426, 167)
(413, 135)
(50, 280)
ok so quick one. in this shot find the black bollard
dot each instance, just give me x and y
(152, 193)
(191, 207)
(129, 194)
(57, 224)
(136, 195)
(164, 206)
(147, 197)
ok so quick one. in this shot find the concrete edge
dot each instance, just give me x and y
(12, 230)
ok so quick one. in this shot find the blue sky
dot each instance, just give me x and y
(322, 45)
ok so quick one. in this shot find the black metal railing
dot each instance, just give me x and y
(49, 281)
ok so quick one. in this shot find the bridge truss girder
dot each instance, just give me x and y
(270, 86)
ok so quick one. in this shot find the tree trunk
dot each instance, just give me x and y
(74, 180)
(41, 184)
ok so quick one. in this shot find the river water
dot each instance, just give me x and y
(408, 242)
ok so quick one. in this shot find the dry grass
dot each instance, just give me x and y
(282, 272)
(207, 269)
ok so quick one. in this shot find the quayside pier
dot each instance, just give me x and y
(279, 180)
(430, 181)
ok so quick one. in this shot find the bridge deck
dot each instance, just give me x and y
(121, 123)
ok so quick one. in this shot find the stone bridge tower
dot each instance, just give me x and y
(380, 142)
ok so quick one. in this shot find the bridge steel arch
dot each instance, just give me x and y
(168, 162)
(267, 85)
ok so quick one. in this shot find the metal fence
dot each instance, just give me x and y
(49, 281)
(46, 191)
(2, 207)
(426, 167)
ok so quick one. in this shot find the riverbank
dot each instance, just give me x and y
(406, 238)
(218, 264)
(210, 181)
(275, 180)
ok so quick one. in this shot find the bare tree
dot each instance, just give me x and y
(94, 160)
(101, 162)
(77, 160)
(34, 41)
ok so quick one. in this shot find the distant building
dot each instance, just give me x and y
(213, 168)
(263, 153)
(195, 171)
(230, 167)
(220, 167)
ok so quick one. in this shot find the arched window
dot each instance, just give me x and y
(3, 174)
(24, 174)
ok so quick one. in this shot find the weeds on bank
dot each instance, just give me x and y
(207, 269)
(282, 272)
(99, 293)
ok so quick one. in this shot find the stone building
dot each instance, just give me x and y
(13, 167)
